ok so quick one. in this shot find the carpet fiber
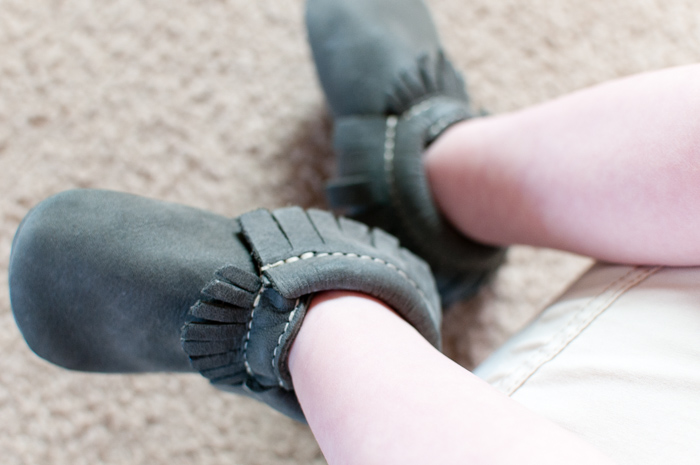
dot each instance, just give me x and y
(215, 104)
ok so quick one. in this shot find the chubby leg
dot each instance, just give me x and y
(611, 172)
(374, 391)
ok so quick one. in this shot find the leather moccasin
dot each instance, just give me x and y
(111, 282)
(392, 91)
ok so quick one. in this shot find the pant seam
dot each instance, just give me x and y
(586, 314)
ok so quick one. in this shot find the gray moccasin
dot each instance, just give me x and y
(392, 92)
(111, 282)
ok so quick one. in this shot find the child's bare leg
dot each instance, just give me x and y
(612, 172)
(374, 391)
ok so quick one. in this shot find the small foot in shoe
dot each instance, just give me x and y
(392, 92)
(111, 282)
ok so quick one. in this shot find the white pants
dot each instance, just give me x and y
(616, 360)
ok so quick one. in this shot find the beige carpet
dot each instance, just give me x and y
(215, 104)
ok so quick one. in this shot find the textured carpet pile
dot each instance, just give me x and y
(215, 104)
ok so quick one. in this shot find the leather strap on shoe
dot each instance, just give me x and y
(242, 328)
(382, 180)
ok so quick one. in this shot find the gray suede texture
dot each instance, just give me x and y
(112, 282)
(359, 46)
(102, 281)
(393, 91)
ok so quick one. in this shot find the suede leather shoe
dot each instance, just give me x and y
(392, 91)
(111, 282)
